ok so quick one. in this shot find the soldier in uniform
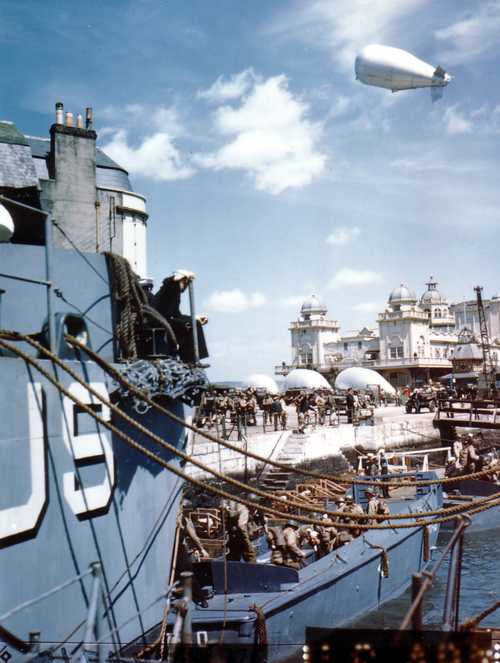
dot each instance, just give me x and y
(239, 544)
(276, 542)
(284, 414)
(376, 507)
(293, 555)
(252, 408)
(267, 401)
(328, 535)
(349, 404)
(384, 471)
(469, 458)
(344, 535)
(277, 411)
(321, 406)
(351, 508)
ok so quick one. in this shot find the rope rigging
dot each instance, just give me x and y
(471, 507)
(134, 307)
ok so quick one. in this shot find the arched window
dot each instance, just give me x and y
(437, 312)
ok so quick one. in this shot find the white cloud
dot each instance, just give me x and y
(269, 138)
(343, 235)
(234, 88)
(293, 300)
(155, 156)
(369, 307)
(346, 26)
(141, 139)
(474, 35)
(351, 277)
(456, 122)
(140, 117)
(234, 301)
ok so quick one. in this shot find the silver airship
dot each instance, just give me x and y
(395, 69)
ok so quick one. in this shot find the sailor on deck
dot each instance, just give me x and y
(167, 302)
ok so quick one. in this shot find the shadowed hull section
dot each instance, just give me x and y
(73, 494)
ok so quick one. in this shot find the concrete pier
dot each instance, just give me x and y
(392, 428)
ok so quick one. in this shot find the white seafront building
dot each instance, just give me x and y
(414, 341)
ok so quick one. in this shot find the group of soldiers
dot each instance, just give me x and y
(233, 404)
(467, 459)
(286, 540)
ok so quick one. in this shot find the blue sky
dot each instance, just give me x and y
(268, 169)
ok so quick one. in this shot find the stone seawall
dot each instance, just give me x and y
(392, 429)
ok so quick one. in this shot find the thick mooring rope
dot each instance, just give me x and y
(420, 520)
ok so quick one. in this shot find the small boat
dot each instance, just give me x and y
(468, 490)
(252, 604)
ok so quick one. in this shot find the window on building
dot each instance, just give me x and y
(346, 346)
(360, 345)
(437, 312)
(393, 353)
(399, 352)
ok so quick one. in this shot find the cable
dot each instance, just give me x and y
(82, 255)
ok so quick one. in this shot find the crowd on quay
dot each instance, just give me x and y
(244, 407)
(287, 542)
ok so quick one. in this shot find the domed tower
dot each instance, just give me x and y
(436, 306)
(310, 333)
(313, 308)
(403, 330)
(401, 296)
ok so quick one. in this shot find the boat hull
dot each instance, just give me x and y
(73, 495)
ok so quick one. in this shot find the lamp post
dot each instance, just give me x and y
(48, 265)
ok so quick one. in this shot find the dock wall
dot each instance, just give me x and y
(389, 432)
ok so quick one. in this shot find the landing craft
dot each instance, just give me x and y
(395, 69)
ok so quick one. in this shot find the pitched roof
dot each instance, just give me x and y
(11, 135)
(40, 148)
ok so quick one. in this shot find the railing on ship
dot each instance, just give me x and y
(405, 456)
(422, 582)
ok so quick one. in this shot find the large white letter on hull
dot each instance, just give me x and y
(84, 448)
(21, 520)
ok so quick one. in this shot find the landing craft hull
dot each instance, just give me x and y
(57, 516)
(332, 592)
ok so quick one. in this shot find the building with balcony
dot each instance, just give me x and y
(414, 342)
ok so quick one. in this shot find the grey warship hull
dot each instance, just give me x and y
(74, 494)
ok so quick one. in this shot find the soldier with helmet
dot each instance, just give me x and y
(376, 507)
(293, 555)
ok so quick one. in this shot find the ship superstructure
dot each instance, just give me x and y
(79, 507)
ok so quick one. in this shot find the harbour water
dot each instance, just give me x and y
(480, 587)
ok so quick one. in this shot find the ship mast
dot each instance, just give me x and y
(489, 366)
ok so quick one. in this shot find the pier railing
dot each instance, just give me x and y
(469, 413)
